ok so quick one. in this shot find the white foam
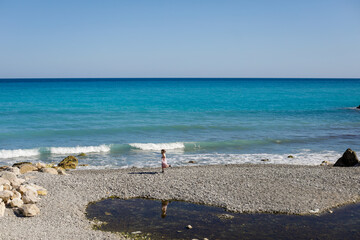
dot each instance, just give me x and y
(19, 153)
(80, 149)
(157, 146)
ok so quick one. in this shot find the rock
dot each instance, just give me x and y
(16, 202)
(40, 165)
(325, 163)
(191, 161)
(290, 156)
(61, 171)
(7, 187)
(69, 162)
(17, 182)
(348, 159)
(30, 210)
(358, 107)
(22, 189)
(1, 188)
(20, 164)
(316, 210)
(49, 170)
(27, 168)
(265, 160)
(83, 165)
(6, 195)
(137, 232)
(4, 181)
(42, 192)
(16, 194)
(8, 175)
(225, 216)
(2, 209)
(82, 155)
(13, 170)
(189, 227)
(30, 197)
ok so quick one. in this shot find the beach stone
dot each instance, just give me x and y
(189, 227)
(7, 187)
(325, 163)
(8, 175)
(27, 168)
(16, 202)
(358, 107)
(290, 156)
(20, 164)
(17, 182)
(22, 189)
(30, 197)
(265, 160)
(30, 210)
(6, 195)
(4, 181)
(2, 209)
(49, 170)
(83, 165)
(82, 155)
(69, 162)
(40, 165)
(16, 194)
(42, 192)
(1, 188)
(191, 161)
(13, 170)
(61, 171)
(348, 159)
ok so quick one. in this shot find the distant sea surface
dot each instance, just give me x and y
(123, 123)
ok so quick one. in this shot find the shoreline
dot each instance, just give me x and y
(243, 188)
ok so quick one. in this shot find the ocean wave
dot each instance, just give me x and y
(80, 149)
(19, 153)
(157, 146)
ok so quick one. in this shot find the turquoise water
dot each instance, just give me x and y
(125, 122)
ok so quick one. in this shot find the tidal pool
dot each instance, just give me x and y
(169, 220)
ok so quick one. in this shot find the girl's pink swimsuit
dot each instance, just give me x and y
(164, 162)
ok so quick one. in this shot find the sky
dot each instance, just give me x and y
(184, 38)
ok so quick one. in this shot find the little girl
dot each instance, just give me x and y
(163, 160)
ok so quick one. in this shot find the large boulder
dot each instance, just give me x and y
(8, 175)
(30, 210)
(30, 197)
(348, 159)
(27, 168)
(69, 162)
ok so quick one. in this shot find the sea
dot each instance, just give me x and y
(124, 123)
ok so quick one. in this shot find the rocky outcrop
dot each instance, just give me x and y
(348, 159)
(69, 162)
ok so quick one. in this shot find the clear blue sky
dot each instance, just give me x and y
(184, 38)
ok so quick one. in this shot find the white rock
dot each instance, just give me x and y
(4, 181)
(17, 182)
(40, 165)
(189, 227)
(30, 210)
(16, 194)
(6, 195)
(7, 186)
(8, 175)
(2, 209)
(30, 197)
(61, 171)
(49, 170)
(1, 188)
(316, 210)
(22, 189)
(15, 170)
(17, 202)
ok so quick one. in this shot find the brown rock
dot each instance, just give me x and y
(30, 210)
(69, 162)
(20, 164)
(27, 168)
(348, 159)
(49, 170)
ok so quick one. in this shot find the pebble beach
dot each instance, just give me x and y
(245, 188)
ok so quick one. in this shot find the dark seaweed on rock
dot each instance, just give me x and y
(348, 159)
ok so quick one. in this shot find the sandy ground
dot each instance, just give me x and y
(240, 188)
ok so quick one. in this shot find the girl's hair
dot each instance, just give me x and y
(163, 151)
